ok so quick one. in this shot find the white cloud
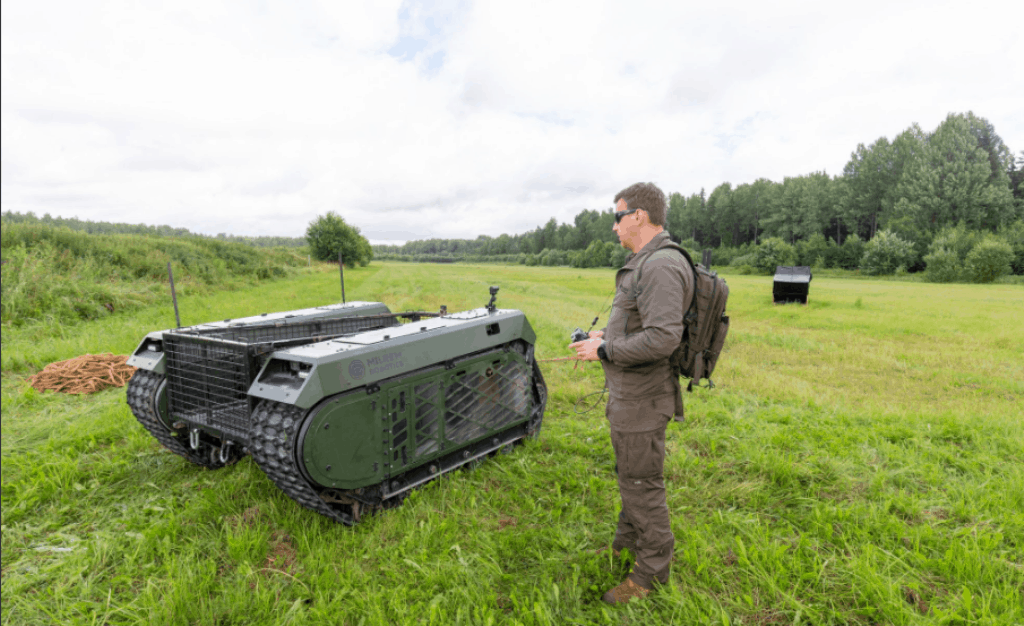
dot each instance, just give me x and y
(450, 119)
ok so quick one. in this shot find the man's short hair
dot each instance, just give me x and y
(648, 197)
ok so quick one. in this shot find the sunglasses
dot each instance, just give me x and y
(621, 214)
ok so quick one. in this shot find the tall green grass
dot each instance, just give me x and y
(58, 276)
(860, 462)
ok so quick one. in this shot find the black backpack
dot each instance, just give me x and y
(705, 324)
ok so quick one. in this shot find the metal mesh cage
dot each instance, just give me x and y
(208, 382)
(305, 332)
(210, 370)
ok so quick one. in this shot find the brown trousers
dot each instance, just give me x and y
(638, 437)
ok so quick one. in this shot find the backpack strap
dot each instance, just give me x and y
(636, 280)
(690, 317)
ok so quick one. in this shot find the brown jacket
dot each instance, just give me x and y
(646, 324)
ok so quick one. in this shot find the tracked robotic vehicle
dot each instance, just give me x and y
(345, 407)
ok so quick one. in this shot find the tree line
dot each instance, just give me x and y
(915, 188)
(113, 228)
(923, 200)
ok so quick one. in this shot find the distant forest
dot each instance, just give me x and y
(111, 228)
(912, 187)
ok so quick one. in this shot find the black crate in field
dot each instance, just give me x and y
(210, 370)
(791, 284)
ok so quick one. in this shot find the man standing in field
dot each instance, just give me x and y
(644, 328)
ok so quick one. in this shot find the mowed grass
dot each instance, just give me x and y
(861, 461)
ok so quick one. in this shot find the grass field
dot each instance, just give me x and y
(861, 461)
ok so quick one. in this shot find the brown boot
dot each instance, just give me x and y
(624, 592)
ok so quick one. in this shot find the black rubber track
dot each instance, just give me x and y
(142, 390)
(275, 429)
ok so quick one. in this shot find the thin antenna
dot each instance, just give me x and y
(174, 296)
(599, 313)
(341, 268)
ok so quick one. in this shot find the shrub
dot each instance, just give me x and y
(942, 265)
(720, 256)
(690, 244)
(832, 252)
(810, 250)
(724, 255)
(958, 239)
(886, 252)
(746, 259)
(618, 257)
(989, 260)
(597, 253)
(1014, 235)
(771, 253)
(947, 252)
(849, 255)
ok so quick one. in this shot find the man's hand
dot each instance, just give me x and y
(587, 350)
(596, 334)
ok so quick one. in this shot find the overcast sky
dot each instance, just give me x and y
(455, 119)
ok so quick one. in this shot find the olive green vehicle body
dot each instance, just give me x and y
(391, 364)
(370, 414)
